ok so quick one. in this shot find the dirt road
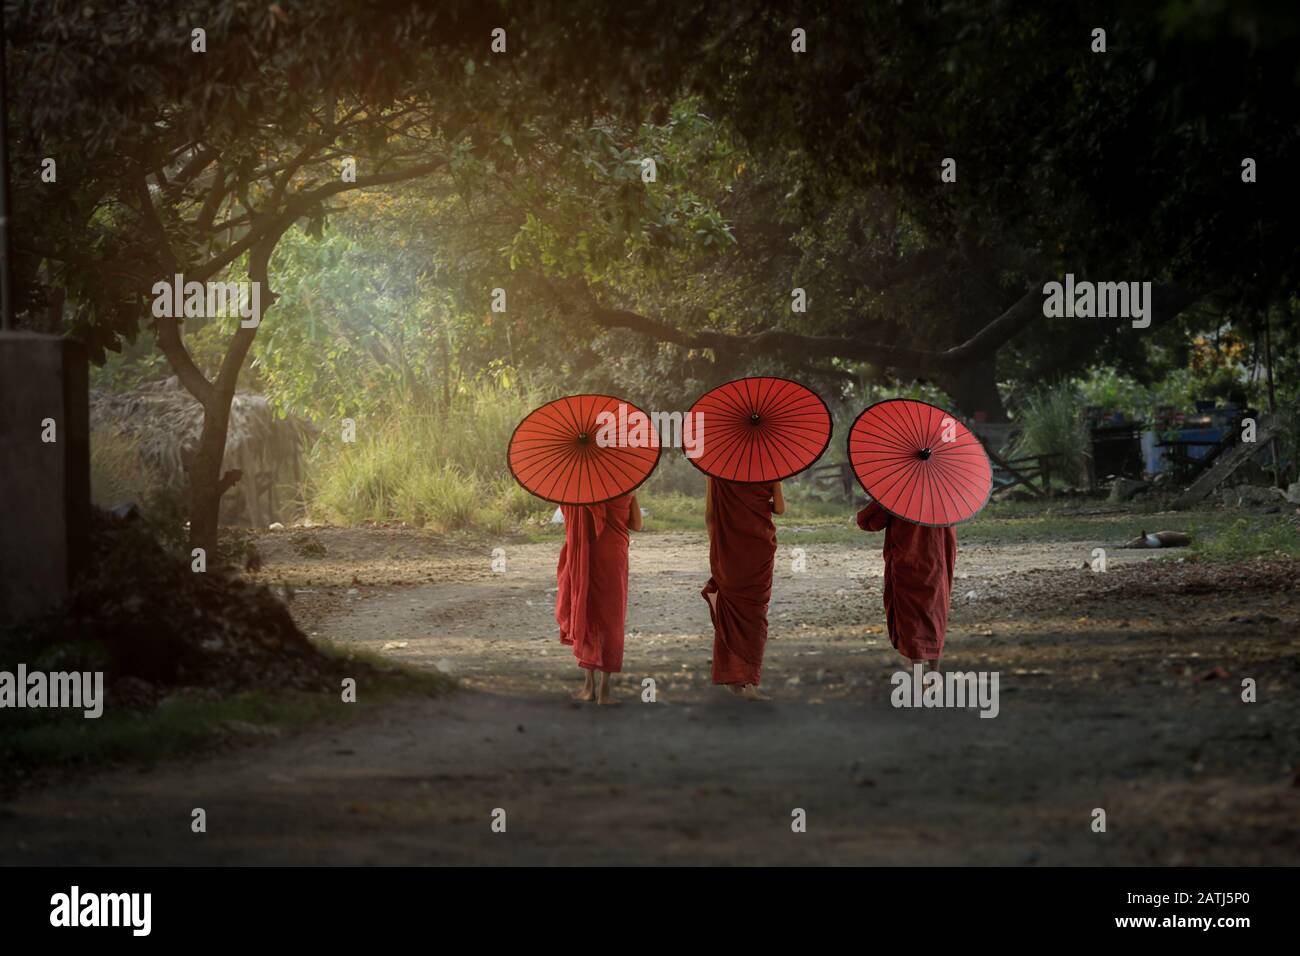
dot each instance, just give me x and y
(1119, 691)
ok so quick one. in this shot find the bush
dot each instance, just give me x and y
(117, 472)
(446, 471)
(675, 475)
(140, 611)
(1051, 423)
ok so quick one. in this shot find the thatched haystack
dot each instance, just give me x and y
(163, 422)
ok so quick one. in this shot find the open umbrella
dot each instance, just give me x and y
(760, 429)
(583, 449)
(920, 462)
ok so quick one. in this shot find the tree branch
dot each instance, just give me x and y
(299, 204)
(1168, 302)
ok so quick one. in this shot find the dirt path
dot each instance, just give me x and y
(1106, 700)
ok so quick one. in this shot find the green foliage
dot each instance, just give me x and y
(192, 722)
(120, 475)
(772, 170)
(446, 471)
(117, 473)
(675, 475)
(1267, 536)
(356, 327)
(1051, 423)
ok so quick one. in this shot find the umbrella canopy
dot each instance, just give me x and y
(583, 449)
(760, 429)
(920, 462)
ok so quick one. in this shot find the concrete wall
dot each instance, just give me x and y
(44, 487)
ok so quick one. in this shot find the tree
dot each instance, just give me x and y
(1118, 165)
(212, 128)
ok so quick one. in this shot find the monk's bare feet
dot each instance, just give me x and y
(748, 692)
(605, 698)
(588, 692)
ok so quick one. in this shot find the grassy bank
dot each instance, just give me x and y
(1217, 535)
(190, 721)
(444, 470)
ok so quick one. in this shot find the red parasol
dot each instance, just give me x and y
(920, 463)
(760, 429)
(583, 449)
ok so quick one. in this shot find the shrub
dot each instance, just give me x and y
(1051, 423)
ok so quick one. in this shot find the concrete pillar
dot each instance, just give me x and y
(44, 485)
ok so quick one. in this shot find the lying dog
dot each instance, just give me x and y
(1160, 539)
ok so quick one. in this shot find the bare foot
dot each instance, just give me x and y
(588, 692)
(749, 692)
(604, 697)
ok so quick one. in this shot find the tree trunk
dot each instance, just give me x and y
(206, 485)
(205, 494)
(974, 390)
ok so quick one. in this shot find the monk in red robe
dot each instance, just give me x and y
(591, 582)
(919, 562)
(742, 551)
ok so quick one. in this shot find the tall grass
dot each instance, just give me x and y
(1260, 537)
(445, 471)
(448, 473)
(1051, 423)
(117, 471)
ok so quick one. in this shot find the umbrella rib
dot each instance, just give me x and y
(906, 483)
(953, 509)
(907, 452)
(943, 500)
(603, 466)
(722, 404)
(889, 469)
(890, 440)
(891, 480)
(533, 452)
(728, 456)
(913, 422)
(718, 450)
(935, 434)
(553, 464)
(913, 487)
(784, 403)
(570, 416)
(914, 414)
(959, 471)
(926, 506)
(962, 484)
(539, 431)
(563, 468)
(779, 454)
(889, 425)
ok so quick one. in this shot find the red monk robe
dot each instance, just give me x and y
(919, 562)
(591, 578)
(742, 550)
